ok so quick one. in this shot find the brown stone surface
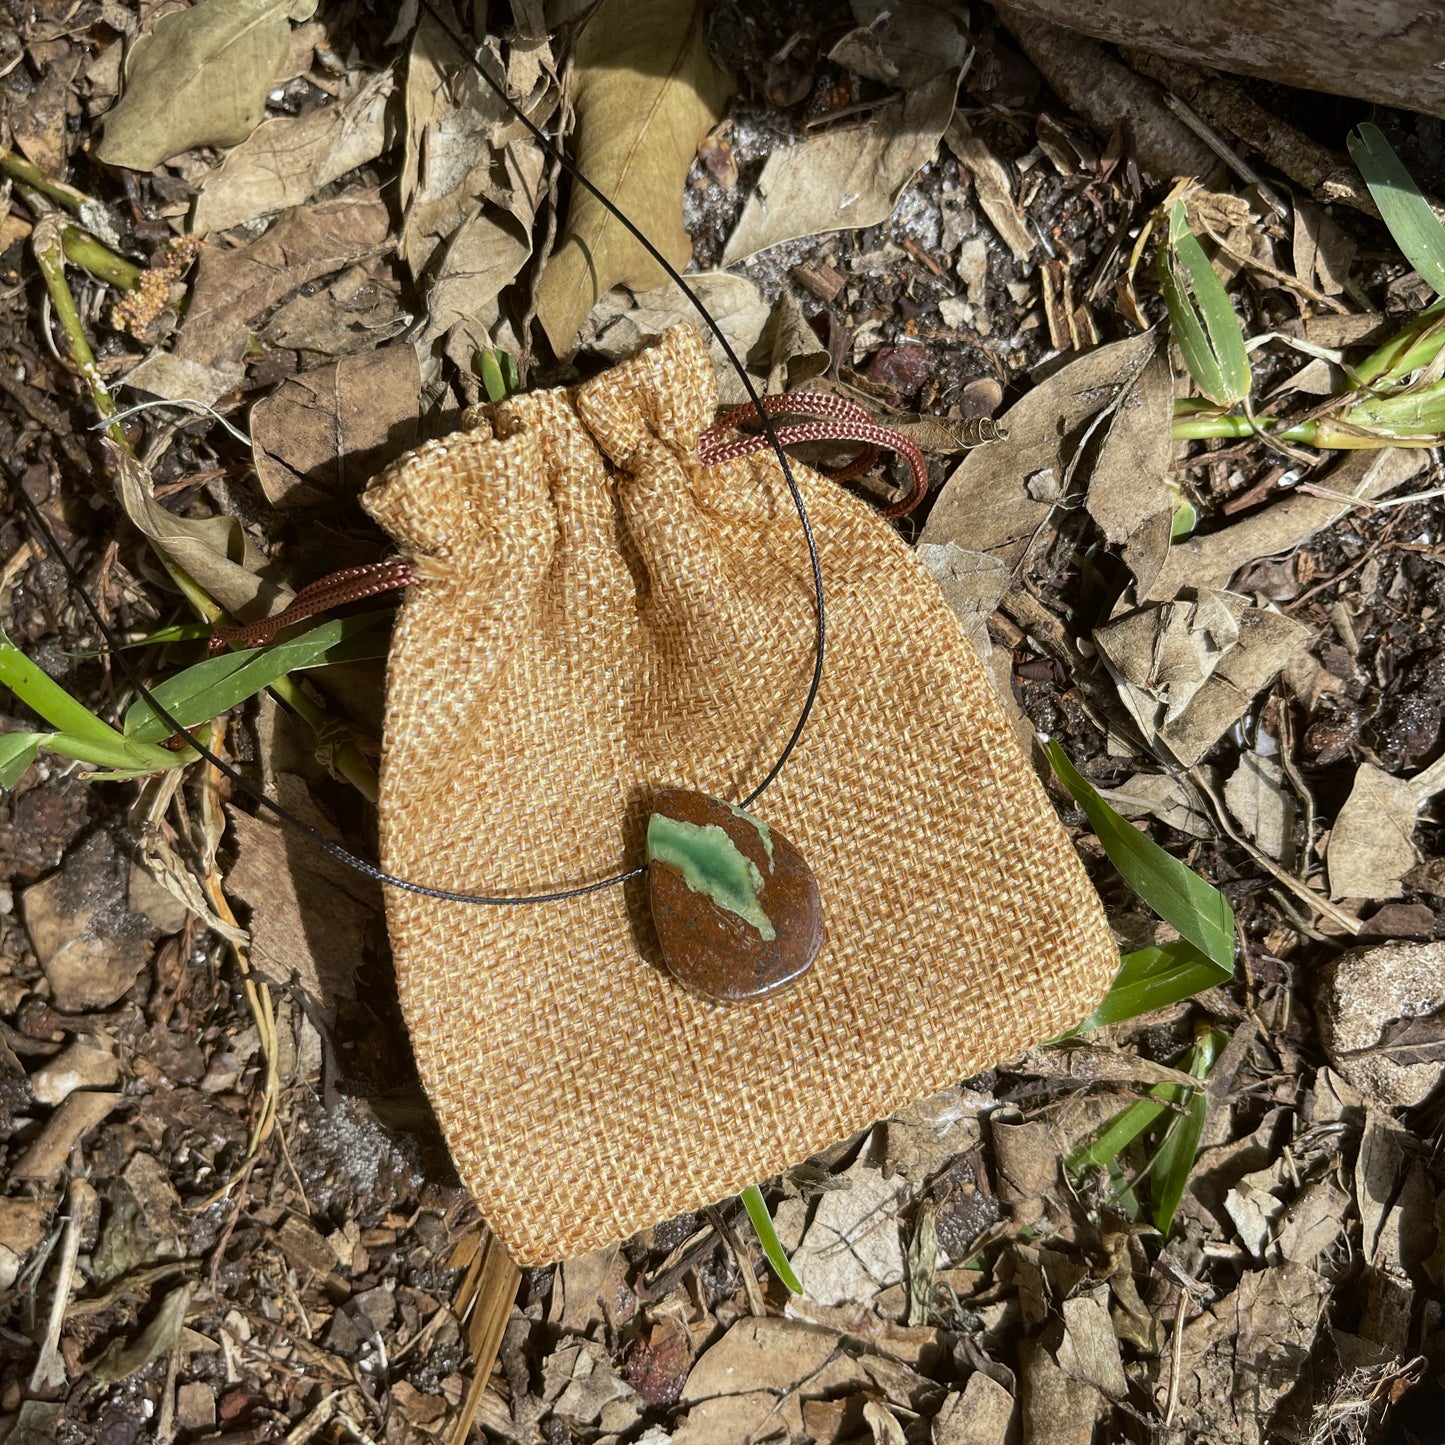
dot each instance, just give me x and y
(712, 951)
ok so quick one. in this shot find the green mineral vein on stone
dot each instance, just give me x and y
(764, 832)
(711, 864)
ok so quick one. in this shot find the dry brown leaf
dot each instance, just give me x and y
(233, 287)
(1169, 798)
(847, 177)
(290, 158)
(1188, 670)
(1128, 494)
(1163, 653)
(852, 1248)
(325, 433)
(214, 551)
(1257, 797)
(470, 183)
(318, 913)
(972, 583)
(1323, 254)
(154, 1342)
(89, 943)
(646, 93)
(173, 378)
(1267, 643)
(760, 1354)
(1056, 1407)
(988, 504)
(1313, 1222)
(1089, 1350)
(622, 322)
(356, 313)
(753, 1415)
(851, 175)
(1210, 561)
(40, 124)
(580, 1383)
(1271, 1322)
(1372, 845)
(787, 352)
(981, 1415)
(199, 78)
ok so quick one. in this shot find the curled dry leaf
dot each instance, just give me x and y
(622, 322)
(290, 158)
(851, 176)
(213, 552)
(1188, 670)
(646, 94)
(154, 1342)
(199, 78)
(470, 183)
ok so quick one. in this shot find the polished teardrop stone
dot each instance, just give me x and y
(737, 910)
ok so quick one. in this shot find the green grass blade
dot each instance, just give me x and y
(1403, 207)
(1121, 1131)
(1410, 414)
(120, 756)
(1197, 910)
(1173, 1162)
(1205, 326)
(1410, 348)
(17, 752)
(1179, 1115)
(1153, 978)
(212, 687)
(762, 1223)
(44, 696)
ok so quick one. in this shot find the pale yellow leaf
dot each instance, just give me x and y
(199, 78)
(646, 94)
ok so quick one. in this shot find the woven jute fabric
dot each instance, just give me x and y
(601, 616)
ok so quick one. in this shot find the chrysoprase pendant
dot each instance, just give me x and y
(737, 910)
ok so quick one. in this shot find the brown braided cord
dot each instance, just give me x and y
(598, 614)
(841, 420)
(351, 584)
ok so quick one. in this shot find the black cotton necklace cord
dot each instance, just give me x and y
(326, 844)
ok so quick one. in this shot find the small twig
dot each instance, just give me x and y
(1176, 1355)
(49, 246)
(49, 1372)
(20, 170)
(744, 1258)
(82, 249)
(1225, 152)
(1316, 901)
(1275, 274)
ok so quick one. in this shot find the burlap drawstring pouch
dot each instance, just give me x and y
(600, 616)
